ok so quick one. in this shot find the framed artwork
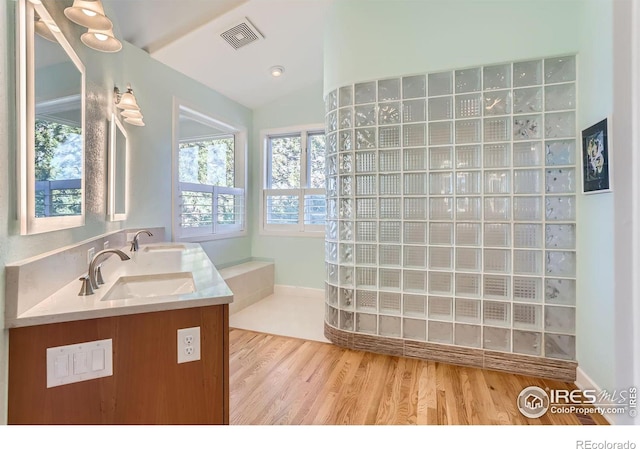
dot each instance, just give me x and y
(595, 158)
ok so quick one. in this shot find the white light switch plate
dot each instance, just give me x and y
(76, 363)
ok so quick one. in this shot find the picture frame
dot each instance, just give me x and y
(596, 158)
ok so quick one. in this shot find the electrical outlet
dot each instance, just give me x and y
(188, 344)
(105, 245)
(90, 253)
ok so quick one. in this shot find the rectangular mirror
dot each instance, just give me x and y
(51, 120)
(117, 168)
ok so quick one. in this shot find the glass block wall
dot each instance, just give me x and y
(451, 207)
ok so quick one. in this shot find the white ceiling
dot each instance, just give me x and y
(185, 35)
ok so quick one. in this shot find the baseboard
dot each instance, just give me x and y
(584, 382)
(303, 292)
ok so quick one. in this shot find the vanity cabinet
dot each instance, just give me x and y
(148, 386)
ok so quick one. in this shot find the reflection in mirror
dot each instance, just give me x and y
(117, 166)
(51, 122)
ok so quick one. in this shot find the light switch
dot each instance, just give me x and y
(62, 366)
(80, 363)
(97, 359)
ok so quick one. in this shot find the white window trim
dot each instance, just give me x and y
(240, 175)
(294, 230)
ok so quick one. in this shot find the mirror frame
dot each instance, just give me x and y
(29, 223)
(116, 126)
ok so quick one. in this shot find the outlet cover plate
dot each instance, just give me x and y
(188, 344)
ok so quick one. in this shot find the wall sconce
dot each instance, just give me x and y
(101, 40)
(99, 35)
(129, 106)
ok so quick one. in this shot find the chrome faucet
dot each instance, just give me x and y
(90, 280)
(134, 242)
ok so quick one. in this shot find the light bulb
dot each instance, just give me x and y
(101, 37)
(89, 13)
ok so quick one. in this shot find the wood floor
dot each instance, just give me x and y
(282, 380)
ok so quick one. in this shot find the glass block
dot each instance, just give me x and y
(529, 343)
(346, 230)
(346, 275)
(390, 303)
(560, 97)
(560, 180)
(366, 323)
(527, 316)
(468, 259)
(467, 131)
(527, 289)
(527, 208)
(560, 291)
(415, 232)
(440, 108)
(440, 308)
(440, 158)
(415, 256)
(415, 329)
(332, 226)
(560, 319)
(468, 234)
(441, 208)
(390, 255)
(560, 236)
(389, 160)
(413, 111)
(346, 186)
(365, 161)
(496, 182)
(415, 208)
(497, 339)
(441, 183)
(496, 287)
(332, 121)
(332, 165)
(345, 163)
(414, 305)
(560, 263)
(467, 335)
(389, 89)
(331, 316)
(332, 276)
(560, 152)
(345, 141)
(497, 76)
(468, 182)
(366, 208)
(389, 326)
(440, 133)
(496, 313)
(468, 208)
(497, 102)
(440, 84)
(390, 184)
(414, 86)
(467, 284)
(416, 159)
(346, 96)
(365, 115)
(527, 73)
(366, 254)
(366, 231)
(497, 260)
(468, 156)
(346, 298)
(440, 233)
(467, 310)
(389, 136)
(440, 258)
(345, 118)
(389, 279)
(559, 125)
(468, 106)
(560, 208)
(366, 185)
(560, 70)
(366, 277)
(497, 234)
(527, 235)
(467, 80)
(331, 101)
(365, 92)
(527, 154)
(527, 262)
(497, 209)
(440, 283)
(390, 208)
(390, 232)
(365, 138)
(331, 251)
(346, 254)
(389, 113)
(496, 129)
(440, 332)
(367, 300)
(332, 214)
(497, 155)
(527, 181)
(332, 143)
(560, 346)
(527, 127)
(526, 101)
(414, 135)
(415, 183)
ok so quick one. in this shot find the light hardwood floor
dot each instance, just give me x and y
(283, 380)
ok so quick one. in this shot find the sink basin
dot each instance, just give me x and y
(146, 286)
(173, 247)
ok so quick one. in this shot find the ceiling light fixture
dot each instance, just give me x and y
(276, 70)
(101, 40)
(129, 105)
(88, 13)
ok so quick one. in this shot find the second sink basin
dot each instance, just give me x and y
(145, 286)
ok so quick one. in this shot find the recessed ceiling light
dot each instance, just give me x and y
(277, 70)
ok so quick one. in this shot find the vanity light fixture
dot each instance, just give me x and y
(134, 121)
(46, 30)
(88, 13)
(131, 113)
(128, 105)
(101, 40)
(276, 71)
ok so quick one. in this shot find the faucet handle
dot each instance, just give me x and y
(99, 278)
(86, 288)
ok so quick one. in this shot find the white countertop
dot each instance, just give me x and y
(66, 305)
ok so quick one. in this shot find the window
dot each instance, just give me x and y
(210, 194)
(293, 199)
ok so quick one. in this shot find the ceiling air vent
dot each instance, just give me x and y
(242, 34)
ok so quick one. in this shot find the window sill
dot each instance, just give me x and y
(211, 237)
(285, 233)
